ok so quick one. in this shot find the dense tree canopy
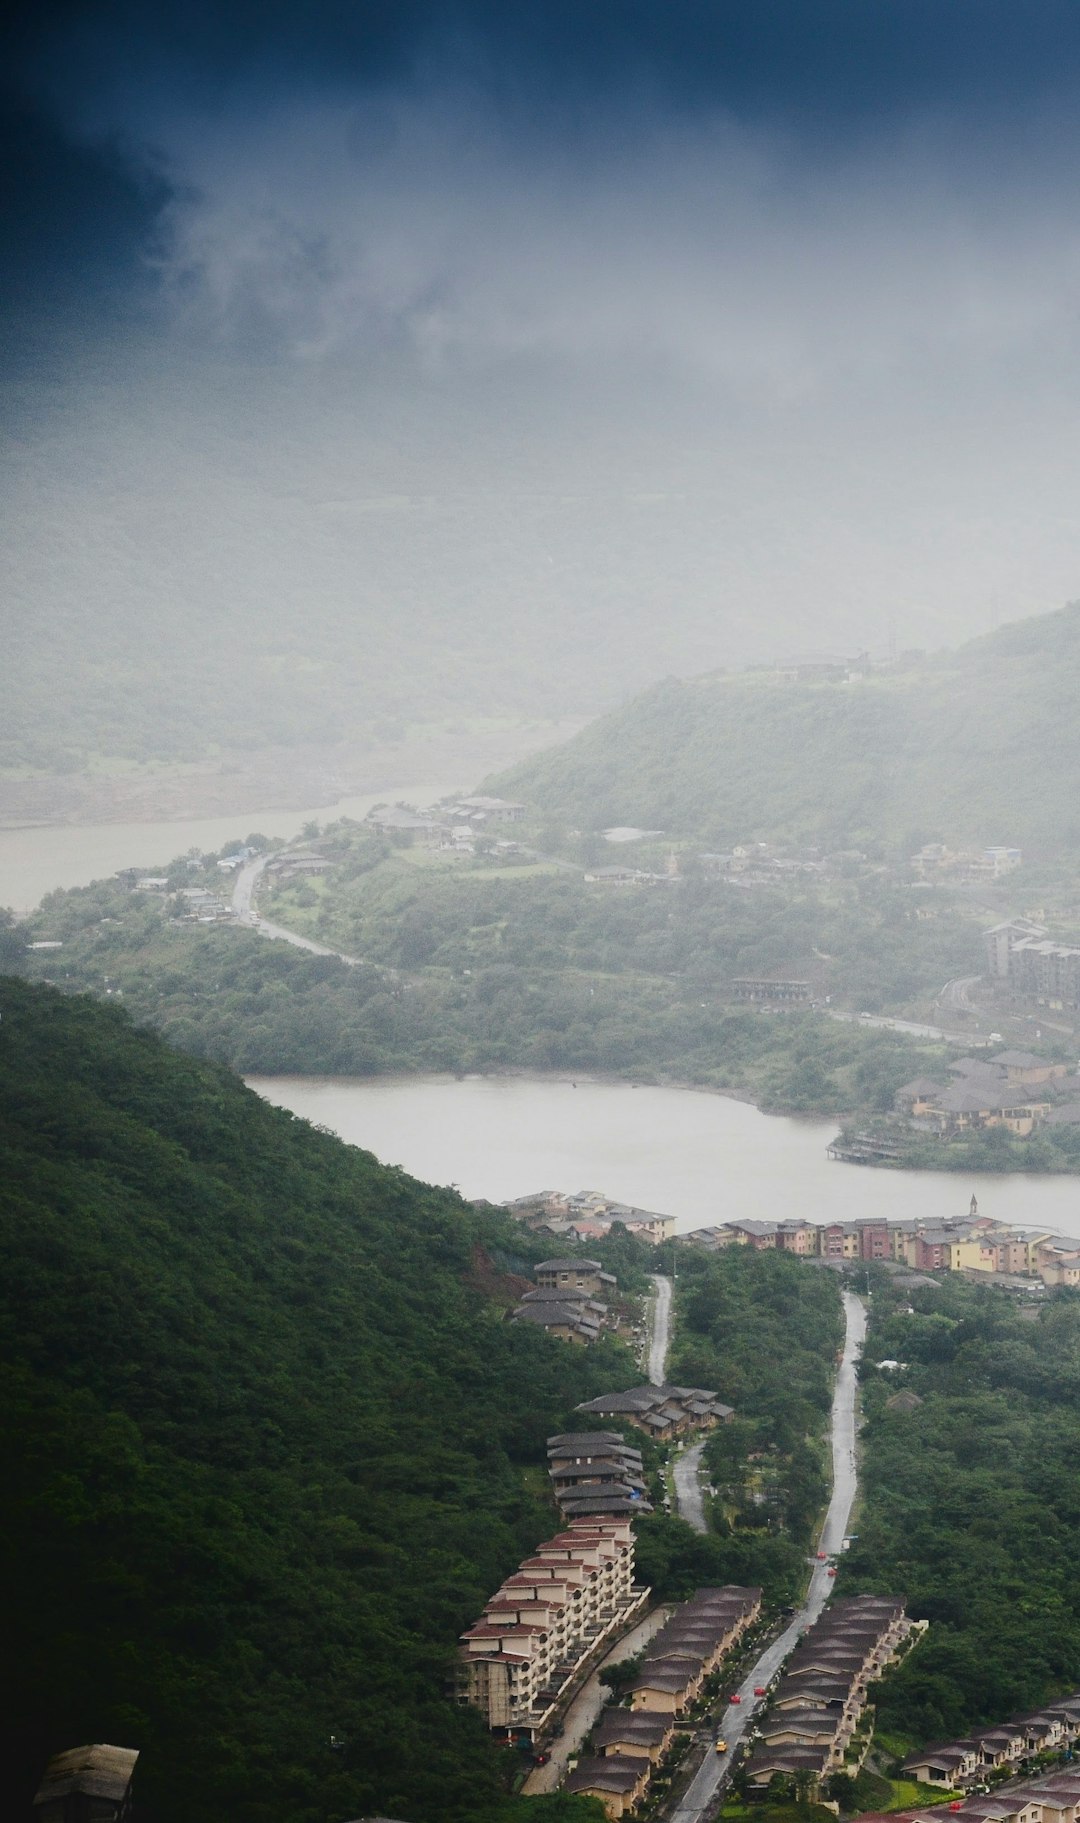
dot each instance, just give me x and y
(266, 1438)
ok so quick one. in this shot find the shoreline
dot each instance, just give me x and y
(273, 780)
(609, 1080)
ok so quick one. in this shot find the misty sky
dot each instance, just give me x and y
(799, 280)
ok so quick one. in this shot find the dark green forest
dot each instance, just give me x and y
(465, 970)
(270, 1443)
(265, 1438)
(763, 1329)
(971, 1502)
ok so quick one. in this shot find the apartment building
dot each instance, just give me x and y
(541, 1628)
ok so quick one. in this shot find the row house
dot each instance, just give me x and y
(692, 1645)
(662, 1412)
(544, 1624)
(630, 1743)
(1049, 1797)
(959, 1763)
(619, 1780)
(596, 1472)
(818, 1702)
(644, 1734)
(1058, 1264)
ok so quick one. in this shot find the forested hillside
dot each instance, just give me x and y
(943, 748)
(971, 1502)
(469, 969)
(265, 1437)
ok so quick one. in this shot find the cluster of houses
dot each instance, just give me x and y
(662, 1412)
(565, 1300)
(690, 1647)
(976, 1243)
(1015, 1090)
(815, 1710)
(588, 1215)
(963, 1763)
(1023, 958)
(453, 824)
(1049, 1797)
(594, 1473)
(934, 861)
(544, 1627)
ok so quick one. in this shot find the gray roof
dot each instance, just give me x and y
(611, 1772)
(975, 1095)
(643, 1725)
(98, 1771)
(567, 1266)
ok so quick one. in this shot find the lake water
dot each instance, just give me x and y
(34, 862)
(700, 1157)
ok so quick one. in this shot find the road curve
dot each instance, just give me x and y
(712, 1775)
(661, 1328)
(243, 904)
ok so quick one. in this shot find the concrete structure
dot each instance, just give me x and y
(541, 1629)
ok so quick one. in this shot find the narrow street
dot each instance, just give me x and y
(587, 1705)
(660, 1328)
(688, 1496)
(712, 1775)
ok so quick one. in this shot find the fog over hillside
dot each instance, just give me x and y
(376, 367)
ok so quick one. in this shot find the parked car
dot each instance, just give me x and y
(761, 1689)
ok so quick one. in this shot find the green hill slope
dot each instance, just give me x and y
(979, 745)
(263, 1439)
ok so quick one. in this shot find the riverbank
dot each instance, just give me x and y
(247, 783)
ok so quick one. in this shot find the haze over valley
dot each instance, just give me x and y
(540, 912)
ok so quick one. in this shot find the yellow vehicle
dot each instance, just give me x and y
(721, 1746)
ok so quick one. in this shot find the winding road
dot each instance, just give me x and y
(712, 1775)
(243, 904)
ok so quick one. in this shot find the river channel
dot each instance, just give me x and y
(34, 862)
(700, 1157)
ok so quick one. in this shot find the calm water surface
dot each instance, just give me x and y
(700, 1157)
(34, 862)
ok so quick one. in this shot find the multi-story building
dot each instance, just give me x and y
(543, 1626)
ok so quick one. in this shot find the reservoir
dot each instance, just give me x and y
(700, 1157)
(36, 861)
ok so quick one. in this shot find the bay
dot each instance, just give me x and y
(35, 861)
(701, 1157)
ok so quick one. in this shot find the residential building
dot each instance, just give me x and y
(87, 1785)
(576, 1275)
(662, 1412)
(542, 1628)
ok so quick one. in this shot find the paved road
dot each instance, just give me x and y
(243, 904)
(661, 1328)
(244, 889)
(587, 1705)
(957, 993)
(688, 1496)
(712, 1775)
